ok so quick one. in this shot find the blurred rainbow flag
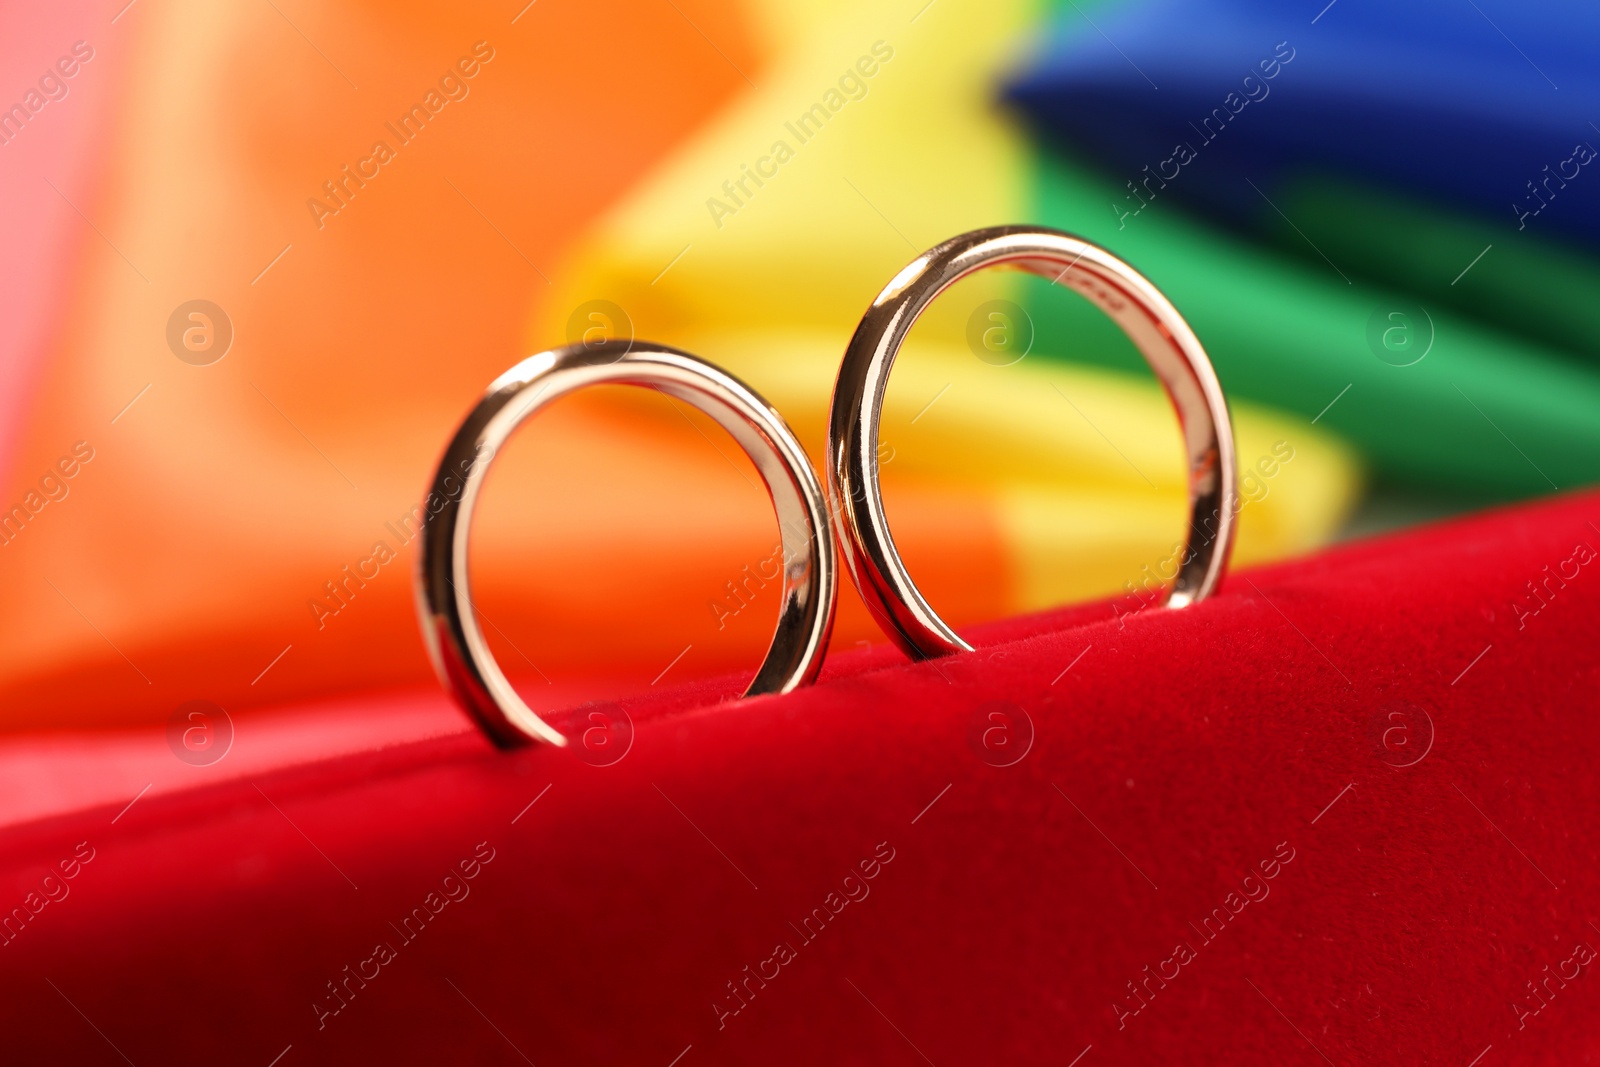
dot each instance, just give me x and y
(382, 210)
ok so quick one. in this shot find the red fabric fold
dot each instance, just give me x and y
(1343, 811)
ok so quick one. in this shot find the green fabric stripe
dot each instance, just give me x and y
(1486, 414)
(1526, 282)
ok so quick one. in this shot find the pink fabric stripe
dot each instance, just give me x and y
(63, 144)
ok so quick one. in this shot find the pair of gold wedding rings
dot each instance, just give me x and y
(853, 500)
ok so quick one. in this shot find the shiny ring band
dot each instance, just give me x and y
(450, 628)
(1149, 320)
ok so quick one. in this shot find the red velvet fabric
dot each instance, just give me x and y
(1344, 812)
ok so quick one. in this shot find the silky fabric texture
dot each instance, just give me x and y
(1533, 284)
(1344, 808)
(1258, 113)
(1014, 482)
(179, 561)
(244, 531)
(1434, 417)
(1384, 92)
